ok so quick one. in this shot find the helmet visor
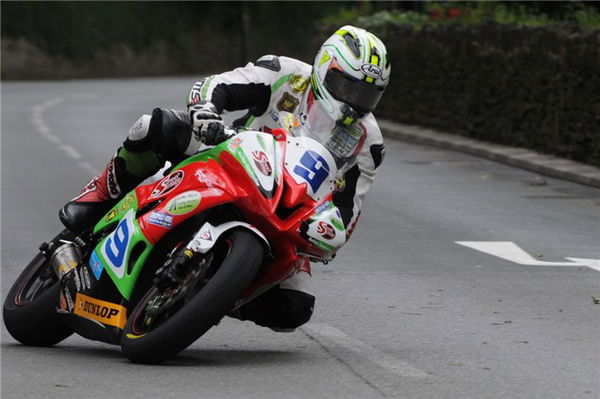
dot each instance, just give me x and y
(360, 95)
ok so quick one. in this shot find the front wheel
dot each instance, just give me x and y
(166, 321)
(30, 306)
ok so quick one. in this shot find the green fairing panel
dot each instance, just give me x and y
(114, 252)
(128, 202)
(203, 156)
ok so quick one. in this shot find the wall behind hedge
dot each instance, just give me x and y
(71, 39)
(532, 87)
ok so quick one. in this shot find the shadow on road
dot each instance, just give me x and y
(188, 358)
(232, 357)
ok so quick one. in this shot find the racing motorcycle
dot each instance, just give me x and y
(173, 257)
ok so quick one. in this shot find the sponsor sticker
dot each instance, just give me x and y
(340, 184)
(261, 160)
(287, 103)
(127, 202)
(202, 178)
(323, 207)
(167, 184)
(298, 83)
(111, 215)
(111, 180)
(234, 143)
(161, 219)
(96, 265)
(183, 203)
(274, 115)
(102, 311)
(371, 70)
(326, 230)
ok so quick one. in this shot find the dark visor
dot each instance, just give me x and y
(360, 95)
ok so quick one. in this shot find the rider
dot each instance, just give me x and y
(346, 81)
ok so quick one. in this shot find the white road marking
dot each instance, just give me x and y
(374, 355)
(510, 251)
(37, 120)
(72, 152)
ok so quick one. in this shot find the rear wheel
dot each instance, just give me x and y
(167, 320)
(30, 306)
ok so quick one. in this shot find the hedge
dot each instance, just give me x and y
(532, 87)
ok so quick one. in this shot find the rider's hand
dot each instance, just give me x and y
(207, 123)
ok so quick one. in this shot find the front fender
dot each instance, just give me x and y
(208, 235)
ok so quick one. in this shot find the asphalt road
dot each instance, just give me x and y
(403, 312)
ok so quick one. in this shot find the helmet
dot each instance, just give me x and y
(350, 73)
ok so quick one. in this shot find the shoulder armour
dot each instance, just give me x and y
(270, 62)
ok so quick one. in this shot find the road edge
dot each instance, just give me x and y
(520, 157)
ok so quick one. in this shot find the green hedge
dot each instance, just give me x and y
(536, 87)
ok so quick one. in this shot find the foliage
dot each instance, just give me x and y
(521, 14)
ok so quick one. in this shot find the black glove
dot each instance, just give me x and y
(207, 124)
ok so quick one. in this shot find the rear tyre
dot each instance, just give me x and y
(236, 258)
(30, 307)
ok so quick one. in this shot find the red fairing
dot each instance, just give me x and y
(208, 179)
(278, 214)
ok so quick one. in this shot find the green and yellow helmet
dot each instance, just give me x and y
(351, 68)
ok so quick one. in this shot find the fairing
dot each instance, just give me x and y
(282, 185)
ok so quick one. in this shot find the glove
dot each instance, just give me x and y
(207, 124)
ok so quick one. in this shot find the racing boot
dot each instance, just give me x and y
(104, 191)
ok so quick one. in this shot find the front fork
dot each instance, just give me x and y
(64, 255)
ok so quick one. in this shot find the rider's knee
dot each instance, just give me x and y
(280, 309)
(139, 138)
(299, 311)
(166, 132)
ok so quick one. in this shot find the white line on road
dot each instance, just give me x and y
(37, 120)
(374, 355)
(72, 152)
(510, 251)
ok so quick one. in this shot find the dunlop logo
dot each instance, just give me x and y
(102, 311)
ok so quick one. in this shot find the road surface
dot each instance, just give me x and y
(403, 312)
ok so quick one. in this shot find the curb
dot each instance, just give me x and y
(522, 158)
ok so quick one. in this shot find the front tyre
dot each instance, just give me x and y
(152, 336)
(30, 306)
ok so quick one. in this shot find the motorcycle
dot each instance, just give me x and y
(173, 257)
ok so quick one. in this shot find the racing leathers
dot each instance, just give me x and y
(274, 84)
(259, 91)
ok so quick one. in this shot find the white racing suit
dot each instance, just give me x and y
(275, 84)
(263, 89)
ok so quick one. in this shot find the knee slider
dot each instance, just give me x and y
(298, 310)
(139, 138)
(175, 133)
(279, 308)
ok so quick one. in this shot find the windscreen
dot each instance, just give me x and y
(343, 142)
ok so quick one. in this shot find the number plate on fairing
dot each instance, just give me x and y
(307, 161)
